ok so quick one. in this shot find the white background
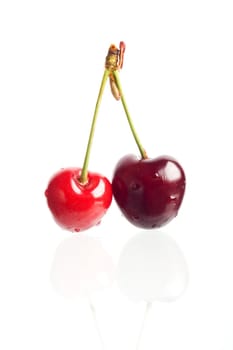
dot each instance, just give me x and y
(178, 83)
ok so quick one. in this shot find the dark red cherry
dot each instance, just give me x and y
(149, 192)
(76, 206)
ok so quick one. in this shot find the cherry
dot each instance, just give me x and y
(149, 192)
(77, 198)
(76, 206)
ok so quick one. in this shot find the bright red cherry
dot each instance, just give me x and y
(77, 198)
(76, 206)
(149, 192)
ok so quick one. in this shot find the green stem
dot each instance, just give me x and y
(84, 174)
(136, 138)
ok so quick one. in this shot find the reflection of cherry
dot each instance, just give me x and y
(76, 206)
(151, 268)
(81, 267)
(149, 192)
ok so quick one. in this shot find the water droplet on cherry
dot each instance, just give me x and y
(172, 197)
(135, 186)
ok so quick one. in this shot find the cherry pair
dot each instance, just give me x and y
(148, 191)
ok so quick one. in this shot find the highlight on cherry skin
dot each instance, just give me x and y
(76, 206)
(149, 192)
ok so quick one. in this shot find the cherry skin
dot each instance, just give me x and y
(76, 206)
(149, 192)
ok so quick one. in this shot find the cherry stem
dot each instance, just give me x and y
(84, 174)
(136, 138)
